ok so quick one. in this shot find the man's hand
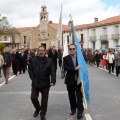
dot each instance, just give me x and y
(52, 84)
(78, 67)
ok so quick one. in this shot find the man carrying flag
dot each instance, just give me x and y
(74, 90)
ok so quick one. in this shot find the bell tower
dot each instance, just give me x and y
(44, 21)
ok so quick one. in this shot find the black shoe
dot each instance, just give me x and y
(36, 113)
(79, 115)
(73, 112)
(42, 117)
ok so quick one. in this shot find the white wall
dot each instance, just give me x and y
(87, 33)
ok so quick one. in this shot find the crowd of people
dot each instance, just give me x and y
(17, 59)
(42, 68)
(107, 59)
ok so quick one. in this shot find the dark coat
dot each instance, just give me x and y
(59, 56)
(15, 58)
(70, 70)
(22, 59)
(53, 57)
(40, 73)
(7, 59)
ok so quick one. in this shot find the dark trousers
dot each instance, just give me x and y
(110, 65)
(97, 63)
(44, 99)
(22, 68)
(113, 65)
(75, 97)
(15, 69)
(117, 70)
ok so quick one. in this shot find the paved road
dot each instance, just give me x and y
(15, 103)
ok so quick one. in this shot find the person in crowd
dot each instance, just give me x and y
(15, 58)
(117, 63)
(104, 62)
(7, 63)
(41, 69)
(110, 58)
(53, 55)
(84, 55)
(92, 58)
(59, 56)
(22, 61)
(1, 63)
(113, 65)
(74, 91)
(98, 58)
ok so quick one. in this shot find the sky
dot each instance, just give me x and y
(25, 13)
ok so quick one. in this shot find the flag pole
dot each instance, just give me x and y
(70, 25)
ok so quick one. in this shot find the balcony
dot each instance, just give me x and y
(104, 37)
(115, 36)
(93, 38)
(81, 40)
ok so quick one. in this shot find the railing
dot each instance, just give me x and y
(93, 38)
(104, 37)
(115, 36)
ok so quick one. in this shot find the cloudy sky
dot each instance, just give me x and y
(25, 13)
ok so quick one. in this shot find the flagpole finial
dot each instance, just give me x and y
(70, 18)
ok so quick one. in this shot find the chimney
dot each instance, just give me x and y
(95, 20)
(50, 22)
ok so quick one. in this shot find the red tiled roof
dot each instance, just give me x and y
(55, 26)
(25, 29)
(110, 20)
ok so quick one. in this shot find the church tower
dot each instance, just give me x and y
(44, 21)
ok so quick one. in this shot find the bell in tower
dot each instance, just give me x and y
(43, 14)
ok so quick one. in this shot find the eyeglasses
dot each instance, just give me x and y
(71, 48)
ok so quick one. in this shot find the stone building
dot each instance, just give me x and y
(43, 34)
(10, 37)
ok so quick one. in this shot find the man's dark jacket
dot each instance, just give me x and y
(40, 73)
(7, 58)
(70, 70)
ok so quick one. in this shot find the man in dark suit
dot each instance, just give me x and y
(41, 69)
(59, 56)
(15, 58)
(53, 55)
(22, 61)
(74, 90)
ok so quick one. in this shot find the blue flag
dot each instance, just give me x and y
(83, 72)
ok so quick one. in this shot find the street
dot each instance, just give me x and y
(15, 103)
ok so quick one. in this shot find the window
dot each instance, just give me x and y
(68, 39)
(81, 38)
(25, 39)
(104, 31)
(5, 38)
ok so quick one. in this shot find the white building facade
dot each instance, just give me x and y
(99, 35)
